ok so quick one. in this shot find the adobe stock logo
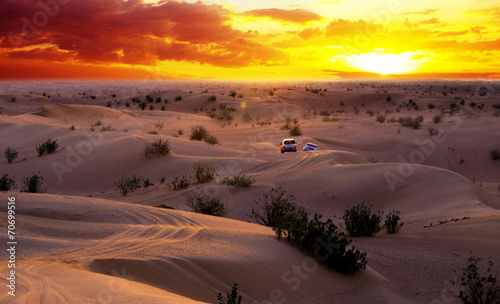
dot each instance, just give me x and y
(31, 26)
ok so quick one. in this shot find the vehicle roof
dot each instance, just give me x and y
(288, 139)
(311, 144)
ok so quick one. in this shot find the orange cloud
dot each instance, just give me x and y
(294, 16)
(433, 20)
(131, 32)
(341, 27)
(424, 12)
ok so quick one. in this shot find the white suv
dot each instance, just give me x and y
(288, 144)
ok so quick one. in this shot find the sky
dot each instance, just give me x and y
(249, 40)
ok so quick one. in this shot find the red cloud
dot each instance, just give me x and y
(132, 32)
(296, 16)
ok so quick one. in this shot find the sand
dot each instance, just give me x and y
(83, 242)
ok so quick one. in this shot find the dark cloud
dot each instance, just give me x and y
(131, 32)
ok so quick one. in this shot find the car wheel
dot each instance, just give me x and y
(282, 151)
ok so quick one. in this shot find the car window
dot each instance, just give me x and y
(292, 141)
(287, 142)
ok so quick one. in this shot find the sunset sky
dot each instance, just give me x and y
(249, 40)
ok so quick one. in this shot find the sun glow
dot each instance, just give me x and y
(383, 63)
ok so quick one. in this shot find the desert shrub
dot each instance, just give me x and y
(392, 224)
(198, 132)
(212, 98)
(324, 113)
(72, 128)
(370, 112)
(6, 183)
(151, 107)
(142, 105)
(128, 185)
(162, 180)
(178, 98)
(295, 131)
(154, 132)
(246, 117)
(107, 128)
(181, 183)
(323, 241)
(380, 118)
(204, 173)
(49, 147)
(180, 132)
(206, 205)
(359, 221)
(10, 154)
(414, 123)
(157, 148)
(433, 131)
(210, 139)
(286, 127)
(232, 297)
(149, 98)
(275, 208)
(436, 119)
(494, 154)
(233, 94)
(146, 182)
(33, 184)
(98, 123)
(224, 115)
(238, 180)
(431, 106)
(477, 288)
(496, 106)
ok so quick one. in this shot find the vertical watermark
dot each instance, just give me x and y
(11, 245)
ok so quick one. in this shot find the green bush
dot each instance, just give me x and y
(238, 180)
(127, 185)
(210, 139)
(246, 118)
(10, 154)
(359, 221)
(206, 205)
(275, 208)
(198, 132)
(181, 183)
(232, 297)
(295, 131)
(147, 183)
(33, 184)
(6, 183)
(494, 154)
(49, 147)
(323, 241)
(414, 123)
(476, 288)
(392, 224)
(380, 118)
(157, 148)
(204, 173)
(433, 131)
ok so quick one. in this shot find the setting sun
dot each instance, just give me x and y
(383, 64)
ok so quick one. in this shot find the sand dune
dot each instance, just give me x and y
(85, 243)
